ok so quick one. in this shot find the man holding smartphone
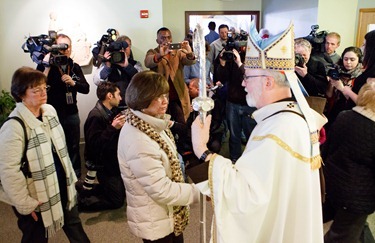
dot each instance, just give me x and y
(169, 60)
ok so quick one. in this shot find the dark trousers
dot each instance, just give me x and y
(171, 238)
(239, 120)
(177, 115)
(71, 128)
(108, 194)
(348, 227)
(34, 231)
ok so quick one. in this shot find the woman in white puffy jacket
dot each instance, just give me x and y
(157, 196)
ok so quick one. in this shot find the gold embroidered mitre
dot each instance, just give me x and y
(274, 53)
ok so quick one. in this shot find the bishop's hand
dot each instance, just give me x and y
(200, 135)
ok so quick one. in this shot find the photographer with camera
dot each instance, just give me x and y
(311, 73)
(101, 46)
(238, 114)
(169, 60)
(217, 45)
(348, 69)
(102, 129)
(117, 66)
(328, 56)
(66, 79)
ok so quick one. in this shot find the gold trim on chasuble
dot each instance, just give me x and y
(210, 184)
(315, 162)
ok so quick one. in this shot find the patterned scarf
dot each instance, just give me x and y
(44, 175)
(180, 213)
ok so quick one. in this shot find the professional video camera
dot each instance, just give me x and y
(102, 45)
(117, 56)
(335, 72)
(237, 42)
(39, 46)
(317, 39)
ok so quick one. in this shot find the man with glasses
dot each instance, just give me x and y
(272, 193)
(66, 80)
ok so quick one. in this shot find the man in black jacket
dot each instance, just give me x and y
(66, 80)
(102, 129)
(237, 112)
(312, 73)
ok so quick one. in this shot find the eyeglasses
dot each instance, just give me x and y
(40, 90)
(162, 97)
(253, 76)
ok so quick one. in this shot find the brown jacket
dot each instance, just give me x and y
(172, 66)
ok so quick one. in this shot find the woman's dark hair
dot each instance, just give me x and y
(24, 78)
(354, 49)
(104, 88)
(369, 53)
(143, 88)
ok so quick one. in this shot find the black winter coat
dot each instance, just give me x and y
(349, 157)
(101, 140)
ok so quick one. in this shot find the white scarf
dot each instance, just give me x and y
(44, 176)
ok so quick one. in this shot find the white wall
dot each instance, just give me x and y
(19, 18)
(277, 15)
(339, 17)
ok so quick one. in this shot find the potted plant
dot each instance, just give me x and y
(7, 104)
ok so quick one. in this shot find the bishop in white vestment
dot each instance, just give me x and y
(272, 193)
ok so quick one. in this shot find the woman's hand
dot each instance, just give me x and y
(337, 84)
(33, 214)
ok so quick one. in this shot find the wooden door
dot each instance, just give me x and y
(366, 17)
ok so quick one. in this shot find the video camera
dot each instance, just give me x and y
(102, 45)
(117, 56)
(41, 45)
(317, 39)
(234, 41)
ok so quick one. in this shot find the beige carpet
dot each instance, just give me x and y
(107, 226)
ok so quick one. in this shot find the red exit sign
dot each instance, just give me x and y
(144, 14)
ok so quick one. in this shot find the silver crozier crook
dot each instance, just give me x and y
(203, 104)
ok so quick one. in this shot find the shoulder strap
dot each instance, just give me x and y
(24, 162)
(285, 111)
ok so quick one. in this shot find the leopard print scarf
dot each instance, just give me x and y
(180, 213)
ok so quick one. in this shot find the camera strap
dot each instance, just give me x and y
(62, 72)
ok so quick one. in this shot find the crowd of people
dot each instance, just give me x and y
(142, 134)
